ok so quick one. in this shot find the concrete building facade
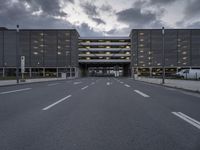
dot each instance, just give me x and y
(47, 52)
(51, 52)
(181, 50)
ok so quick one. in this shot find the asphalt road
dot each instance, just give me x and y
(98, 114)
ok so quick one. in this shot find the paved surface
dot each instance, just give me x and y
(98, 114)
(13, 82)
(191, 85)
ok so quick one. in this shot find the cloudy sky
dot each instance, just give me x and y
(100, 17)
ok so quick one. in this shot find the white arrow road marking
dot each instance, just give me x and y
(14, 91)
(59, 101)
(84, 88)
(141, 93)
(187, 119)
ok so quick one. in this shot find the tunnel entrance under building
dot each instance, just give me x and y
(105, 70)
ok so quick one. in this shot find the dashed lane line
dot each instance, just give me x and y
(84, 88)
(127, 85)
(141, 93)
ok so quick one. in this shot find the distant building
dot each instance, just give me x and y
(51, 52)
(181, 46)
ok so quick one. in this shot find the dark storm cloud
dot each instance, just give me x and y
(19, 15)
(194, 25)
(49, 7)
(85, 30)
(12, 14)
(191, 13)
(135, 16)
(106, 8)
(98, 20)
(90, 9)
(162, 1)
(192, 9)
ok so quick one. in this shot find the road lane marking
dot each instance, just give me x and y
(92, 83)
(52, 84)
(141, 93)
(59, 101)
(14, 91)
(108, 83)
(121, 82)
(127, 85)
(187, 119)
(84, 88)
(75, 83)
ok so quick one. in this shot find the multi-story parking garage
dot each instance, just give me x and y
(105, 56)
(51, 52)
(47, 52)
(181, 50)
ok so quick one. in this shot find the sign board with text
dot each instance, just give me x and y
(22, 64)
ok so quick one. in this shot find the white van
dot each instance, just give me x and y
(189, 74)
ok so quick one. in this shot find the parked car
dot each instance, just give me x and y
(189, 74)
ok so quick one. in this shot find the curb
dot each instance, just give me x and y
(24, 83)
(175, 87)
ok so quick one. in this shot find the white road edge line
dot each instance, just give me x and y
(187, 119)
(14, 91)
(59, 101)
(84, 88)
(141, 93)
(126, 85)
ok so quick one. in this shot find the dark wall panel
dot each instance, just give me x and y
(10, 48)
(1, 48)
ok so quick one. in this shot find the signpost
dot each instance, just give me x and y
(22, 66)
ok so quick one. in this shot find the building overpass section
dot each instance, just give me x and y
(105, 56)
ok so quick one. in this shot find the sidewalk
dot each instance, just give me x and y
(13, 82)
(182, 84)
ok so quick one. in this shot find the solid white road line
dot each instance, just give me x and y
(126, 85)
(187, 119)
(75, 83)
(84, 88)
(14, 91)
(141, 93)
(59, 101)
(52, 84)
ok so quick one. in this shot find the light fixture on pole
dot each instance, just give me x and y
(17, 54)
(163, 55)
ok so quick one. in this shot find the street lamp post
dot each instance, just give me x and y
(17, 55)
(163, 55)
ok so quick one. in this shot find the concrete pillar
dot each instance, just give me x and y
(70, 72)
(57, 72)
(43, 72)
(3, 72)
(150, 72)
(30, 72)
